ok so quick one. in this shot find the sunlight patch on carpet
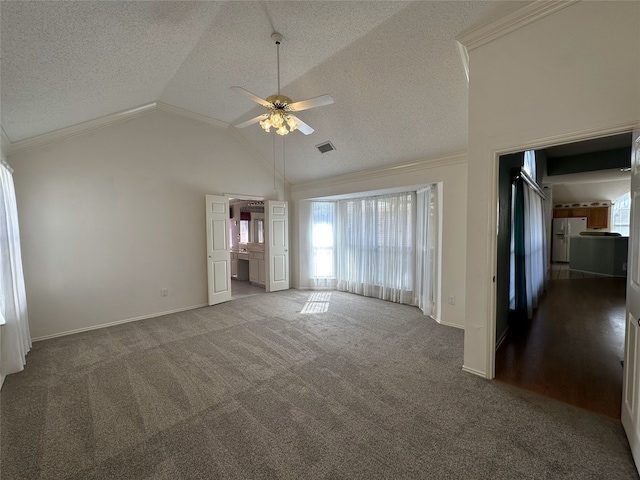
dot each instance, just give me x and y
(318, 302)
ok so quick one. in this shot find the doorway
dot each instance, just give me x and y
(257, 239)
(247, 241)
(572, 348)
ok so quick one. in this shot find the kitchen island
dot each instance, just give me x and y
(601, 254)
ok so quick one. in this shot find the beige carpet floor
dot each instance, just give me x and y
(254, 388)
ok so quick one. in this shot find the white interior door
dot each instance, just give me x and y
(218, 249)
(630, 380)
(277, 246)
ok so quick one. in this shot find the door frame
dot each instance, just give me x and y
(536, 144)
(268, 263)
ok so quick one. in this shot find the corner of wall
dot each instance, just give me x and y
(4, 144)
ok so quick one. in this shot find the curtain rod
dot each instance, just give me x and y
(519, 173)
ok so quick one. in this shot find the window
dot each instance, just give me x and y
(620, 215)
(375, 246)
(530, 163)
(260, 230)
(322, 240)
(383, 246)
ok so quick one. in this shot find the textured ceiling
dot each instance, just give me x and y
(393, 68)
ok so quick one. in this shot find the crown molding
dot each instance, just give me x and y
(485, 33)
(165, 107)
(78, 129)
(9, 148)
(464, 58)
(436, 162)
(570, 137)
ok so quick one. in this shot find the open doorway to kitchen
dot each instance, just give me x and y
(572, 348)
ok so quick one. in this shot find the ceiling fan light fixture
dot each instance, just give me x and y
(292, 122)
(276, 119)
(266, 124)
(280, 120)
(280, 108)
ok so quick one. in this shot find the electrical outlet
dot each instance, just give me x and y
(164, 292)
(452, 300)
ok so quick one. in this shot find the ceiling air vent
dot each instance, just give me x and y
(325, 147)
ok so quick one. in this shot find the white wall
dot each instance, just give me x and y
(110, 217)
(568, 76)
(450, 171)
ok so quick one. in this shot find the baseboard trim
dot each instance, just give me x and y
(310, 289)
(117, 322)
(474, 371)
(504, 335)
(449, 324)
(2, 377)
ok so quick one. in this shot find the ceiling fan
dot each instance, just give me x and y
(280, 108)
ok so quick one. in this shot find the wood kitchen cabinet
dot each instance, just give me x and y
(598, 217)
(579, 212)
(570, 212)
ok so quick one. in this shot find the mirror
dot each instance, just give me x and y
(259, 230)
(244, 231)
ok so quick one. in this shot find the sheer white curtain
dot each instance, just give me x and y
(375, 246)
(426, 249)
(535, 248)
(16, 340)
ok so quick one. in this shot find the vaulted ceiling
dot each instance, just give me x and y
(393, 69)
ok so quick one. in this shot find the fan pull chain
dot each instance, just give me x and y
(278, 61)
(274, 162)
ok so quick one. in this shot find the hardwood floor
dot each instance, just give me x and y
(573, 348)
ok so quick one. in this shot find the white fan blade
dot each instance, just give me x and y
(320, 101)
(303, 127)
(252, 121)
(251, 96)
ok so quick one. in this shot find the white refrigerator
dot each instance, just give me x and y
(563, 230)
